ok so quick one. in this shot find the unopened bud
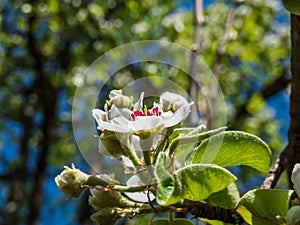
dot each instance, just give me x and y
(71, 181)
(296, 178)
(293, 216)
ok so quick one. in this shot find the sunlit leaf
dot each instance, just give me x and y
(233, 148)
(268, 207)
(200, 181)
(192, 182)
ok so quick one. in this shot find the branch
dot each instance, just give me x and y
(203, 210)
(219, 55)
(193, 89)
(269, 90)
(291, 154)
(48, 100)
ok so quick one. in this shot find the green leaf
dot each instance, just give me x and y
(167, 192)
(184, 131)
(192, 182)
(268, 207)
(233, 148)
(199, 181)
(227, 198)
(190, 136)
(177, 221)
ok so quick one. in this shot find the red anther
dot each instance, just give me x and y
(153, 112)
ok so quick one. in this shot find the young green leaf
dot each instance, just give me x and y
(192, 182)
(231, 148)
(199, 181)
(167, 191)
(188, 136)
(268, 207)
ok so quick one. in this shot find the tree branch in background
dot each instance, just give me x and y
(193, 88)
(269, 90)
(291, 154)
(219, 55)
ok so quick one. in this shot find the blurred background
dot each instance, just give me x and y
(47, 45)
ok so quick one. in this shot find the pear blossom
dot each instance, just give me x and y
(129, 128)
(122, 117)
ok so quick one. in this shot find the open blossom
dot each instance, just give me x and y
(125, 125)
(120, 117)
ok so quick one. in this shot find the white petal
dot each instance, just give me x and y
(168, 98)
(119, 112)
(179, 115)
(146, 123)
(119, 124)
(99, 115)
(128, 163)
(139, 104)
(138, 196)
(135, 143)
(114, 93)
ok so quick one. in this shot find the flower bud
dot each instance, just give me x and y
(296, 178)
(71, 181)
(293, 216)
(120, 100)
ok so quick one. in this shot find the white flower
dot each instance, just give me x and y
(296, 178)
(127, 125)
(171, 110)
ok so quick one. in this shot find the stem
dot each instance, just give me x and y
(147, 159)
(193, 88)
(94, 181)
(131, 154)
(171, 218)
(217, 67)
